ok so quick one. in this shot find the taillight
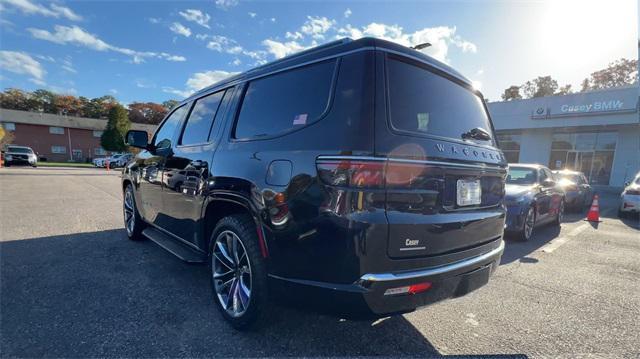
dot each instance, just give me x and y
(352, 173)
(634, 192)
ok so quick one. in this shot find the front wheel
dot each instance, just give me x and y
(238, 272)
(529, 224)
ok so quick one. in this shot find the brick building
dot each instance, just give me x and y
(59, 138)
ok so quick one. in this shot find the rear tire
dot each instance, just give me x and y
(560, 215)
(133, 223)
(529, 224)
(238, 272)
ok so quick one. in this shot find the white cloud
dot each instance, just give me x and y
(197, 16)
(316, 26)
(65, 12)
(224, 44)
(226, 4)
(198, 81)
(440, 38)
(113, 91)
(347, 13)
(293, 35)
(273, 19)
(236, 62)
(282, 49)
(154, 20)
(38, 82)
(175, 58)
(54, 10)
(21, 63)
(180, 29)
(77, 36)
(252, 14)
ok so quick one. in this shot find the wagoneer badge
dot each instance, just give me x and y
(467, 152)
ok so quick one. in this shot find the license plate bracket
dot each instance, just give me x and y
(468, 192)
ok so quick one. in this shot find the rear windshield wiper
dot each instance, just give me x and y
(477, 133)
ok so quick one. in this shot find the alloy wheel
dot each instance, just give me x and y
(231, 270)
(129, 212)
(529, 223)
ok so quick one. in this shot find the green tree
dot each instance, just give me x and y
(170, 104)
(43, 100)
(113, 136)
(15, 99)
(619, 73)
(540, 87)
(512, 93)
(564, 90)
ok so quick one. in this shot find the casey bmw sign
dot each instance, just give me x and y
(596, 106)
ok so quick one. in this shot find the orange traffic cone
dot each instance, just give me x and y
(594, 212)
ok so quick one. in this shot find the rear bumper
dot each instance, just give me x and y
(367, 295)
(630, 204)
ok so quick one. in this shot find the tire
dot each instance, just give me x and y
(235, 260)
(529, 224)
(130, 212)
(560, 215)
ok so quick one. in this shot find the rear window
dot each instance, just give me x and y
(423, 102)
(19, 150)
(521, 175)
(285, 101)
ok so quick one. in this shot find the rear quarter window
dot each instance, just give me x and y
(285, 101)
(423, 102)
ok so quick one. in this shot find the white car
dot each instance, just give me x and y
(99, 162)
(115, 160)
(630, 197)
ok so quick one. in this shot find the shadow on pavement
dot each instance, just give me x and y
(518, 250)
(99, 294)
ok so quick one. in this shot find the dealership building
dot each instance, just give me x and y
(597, 133)
(59, 138)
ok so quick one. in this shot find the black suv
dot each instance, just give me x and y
(361, 172)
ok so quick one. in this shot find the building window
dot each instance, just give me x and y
(99, 151)
(589, 153)
(97, 133)
(56, 130)
(510, 146)
(9, 126)
(58, 149)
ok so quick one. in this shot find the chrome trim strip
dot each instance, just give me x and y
(426, 162)
(386, 277)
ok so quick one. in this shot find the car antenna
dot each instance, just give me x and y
(421, 46)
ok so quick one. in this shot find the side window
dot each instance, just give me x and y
(542, 175)
(164, 135)
(284, 101)
(201, 118)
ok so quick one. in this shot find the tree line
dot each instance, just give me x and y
(49, 102)
(619, 73)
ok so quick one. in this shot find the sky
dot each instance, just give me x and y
(141, 51)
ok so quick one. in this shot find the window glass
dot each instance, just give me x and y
(56, 130)
(164, 136)
(521, 175)
(285, 101)
(585, 141)
(201, 118)
(542, 175)
(9, 126)
(606, 141)
(423, 102)
(97, 133)
(19, 150)
(562, 141)
(58, 149)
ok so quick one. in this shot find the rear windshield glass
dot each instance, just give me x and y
(426, 103)
(19, 150)
(520, 175)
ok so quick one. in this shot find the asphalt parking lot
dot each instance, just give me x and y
(72, 285)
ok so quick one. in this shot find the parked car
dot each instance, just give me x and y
(578, 192)
(532, 198)
(99, 162)
(20, 155)
(630, 197)
(119, 160)
(363, 174)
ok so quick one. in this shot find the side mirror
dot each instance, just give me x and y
(139, 139)
(627, 183)
(548, 183)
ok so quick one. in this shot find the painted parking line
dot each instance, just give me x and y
(560, 241)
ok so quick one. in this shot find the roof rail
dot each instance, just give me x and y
(328, 45)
